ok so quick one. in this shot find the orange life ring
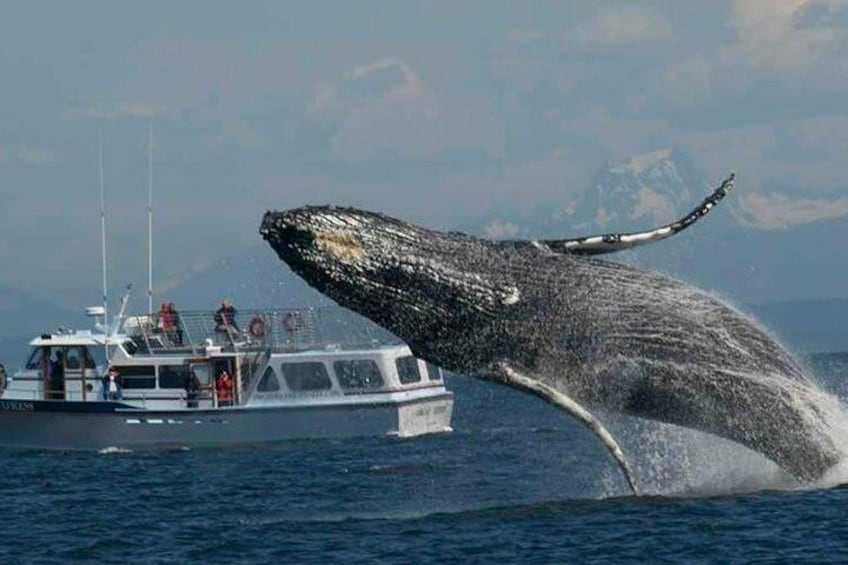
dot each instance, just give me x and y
(257, 327)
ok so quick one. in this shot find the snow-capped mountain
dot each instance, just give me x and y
(643, 191)
(756, 246)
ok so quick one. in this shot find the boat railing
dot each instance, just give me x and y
(273, 330)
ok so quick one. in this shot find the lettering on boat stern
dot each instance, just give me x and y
(16, 406)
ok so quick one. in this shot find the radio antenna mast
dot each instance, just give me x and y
(103, 230)
(150, 220)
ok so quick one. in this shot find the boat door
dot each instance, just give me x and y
(74, 387)
(205, 395)
(54, 373)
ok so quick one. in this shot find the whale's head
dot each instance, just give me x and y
(417, 283)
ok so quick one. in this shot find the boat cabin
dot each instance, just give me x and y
(288, 362)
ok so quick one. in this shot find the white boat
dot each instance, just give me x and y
(296, 374)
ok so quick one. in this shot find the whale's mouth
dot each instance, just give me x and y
(284, 230)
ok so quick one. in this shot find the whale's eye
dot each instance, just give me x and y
(342, 246)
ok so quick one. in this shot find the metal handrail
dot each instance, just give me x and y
(258, 330)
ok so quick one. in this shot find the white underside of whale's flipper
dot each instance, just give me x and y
(611, 242)
(510, 376)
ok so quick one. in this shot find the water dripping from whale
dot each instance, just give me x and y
(552, 319)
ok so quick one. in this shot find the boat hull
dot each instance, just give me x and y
(103, 425)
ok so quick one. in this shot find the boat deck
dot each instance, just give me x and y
(277, 330)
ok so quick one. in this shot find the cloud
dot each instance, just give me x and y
(501, 229)
(117, 110)
(619, 28)
(779, 211)
(384, 109)
(616, 136)
(36, 155)
(793, 45)
(27, 155)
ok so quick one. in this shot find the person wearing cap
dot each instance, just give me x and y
(112, 389)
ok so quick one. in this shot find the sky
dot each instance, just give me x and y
(435, 111)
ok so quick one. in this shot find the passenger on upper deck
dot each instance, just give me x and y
(224, 387)
(166, 321)
(112, 388)
(225, 318)
(178, 329)
(169, 322)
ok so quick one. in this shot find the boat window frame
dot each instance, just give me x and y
(184, 370)
(434, 372)
(342, 378)
(266, 376)
(403, 374)
(130, 381)
(295, 386)
(31, 364)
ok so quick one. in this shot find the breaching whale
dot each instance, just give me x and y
(548, 318)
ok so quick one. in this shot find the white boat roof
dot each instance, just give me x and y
(77, 337)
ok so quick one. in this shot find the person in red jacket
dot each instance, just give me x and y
(224, 386)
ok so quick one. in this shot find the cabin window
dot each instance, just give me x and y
(310, 375)
(130, 347)
(36, 358)
(173, 376)
(358, 374)
(407, 368)
(268, 382)
(95, 357)
(73, 358)
(433, 372)
(138, 376)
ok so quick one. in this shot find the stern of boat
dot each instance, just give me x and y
(430, 417)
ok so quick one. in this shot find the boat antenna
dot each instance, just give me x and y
(103, 230)
(150, 220)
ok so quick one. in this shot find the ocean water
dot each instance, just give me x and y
(516, 482)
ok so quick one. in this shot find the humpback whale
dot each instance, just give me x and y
(550, 318)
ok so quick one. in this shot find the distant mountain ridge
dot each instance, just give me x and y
(728, 251)
(652, 188)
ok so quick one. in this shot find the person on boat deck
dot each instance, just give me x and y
(224, 386)
(111, 382)
(169, 322)
(225, 317)
(177, 338)
(192, 388)
(56, 381)
(2, 376)
(166, 321)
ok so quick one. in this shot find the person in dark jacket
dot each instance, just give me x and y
(112, 385)
(225, 317)
(192, 389)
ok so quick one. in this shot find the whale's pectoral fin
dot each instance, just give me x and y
(509, 376)
(608, 243)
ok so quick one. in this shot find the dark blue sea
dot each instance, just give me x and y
(516, 482)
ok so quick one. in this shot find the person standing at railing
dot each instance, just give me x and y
(225, 318)
(178, 328)
(166, 320)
